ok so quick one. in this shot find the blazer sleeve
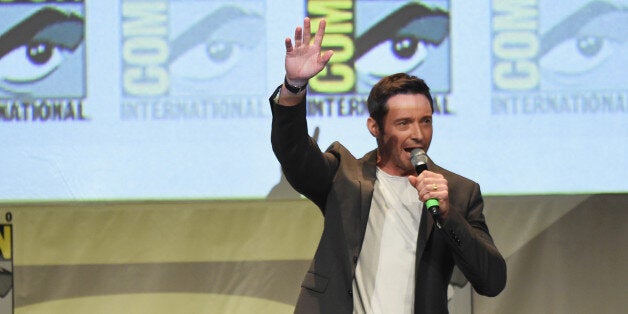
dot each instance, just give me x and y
(473, 248)
(306, 167)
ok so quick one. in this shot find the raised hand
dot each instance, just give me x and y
(304, 59)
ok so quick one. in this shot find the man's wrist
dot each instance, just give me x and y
(294, 87)
(284, 97)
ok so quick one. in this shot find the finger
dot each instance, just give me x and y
(307, 30)
(298, 36)
(320, 33)
(413, 181)
(288, 43)
(326, 56)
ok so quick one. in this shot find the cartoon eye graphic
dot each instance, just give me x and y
(585, 39)
(401, 42)
(31, 63)
(34, 48)
(395, 55)
(577, 55)
(214, 45)
(406, 47)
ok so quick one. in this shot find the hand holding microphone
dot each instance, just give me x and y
(432, 187)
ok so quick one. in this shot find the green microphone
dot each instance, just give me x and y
(418, 158)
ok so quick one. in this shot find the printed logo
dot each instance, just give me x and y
(42, 60)
(373, 39)
(559, 58)
(187, 59)
(6, 266)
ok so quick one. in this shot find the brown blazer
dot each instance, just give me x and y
(342, 187)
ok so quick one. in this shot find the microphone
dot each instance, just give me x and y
(418, 158)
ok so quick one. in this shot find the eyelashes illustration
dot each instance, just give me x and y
(34, 48)
(401, 41)
(215, 44)
(585, 39)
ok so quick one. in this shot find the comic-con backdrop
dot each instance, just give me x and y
(136, 99)
(137, 176)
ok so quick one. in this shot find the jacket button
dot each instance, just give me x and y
(350, 292)
(355, 259)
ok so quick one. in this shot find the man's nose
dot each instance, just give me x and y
(417, 132)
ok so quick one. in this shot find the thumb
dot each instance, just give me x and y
(325, 57)
(413, 180)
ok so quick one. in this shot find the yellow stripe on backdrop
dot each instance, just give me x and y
(159, 304)
(250, 256)
(157, 232)
(221, 256)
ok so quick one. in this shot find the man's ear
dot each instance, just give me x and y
(371, 124)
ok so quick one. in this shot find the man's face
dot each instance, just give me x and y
(407, 125)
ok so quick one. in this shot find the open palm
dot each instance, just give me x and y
(304, 59)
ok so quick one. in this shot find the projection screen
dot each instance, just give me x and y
(131, 99)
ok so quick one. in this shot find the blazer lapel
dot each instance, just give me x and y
(367, 182)
(425, 230)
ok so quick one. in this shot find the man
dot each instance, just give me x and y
(380, 252)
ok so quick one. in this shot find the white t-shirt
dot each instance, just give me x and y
(384, 275)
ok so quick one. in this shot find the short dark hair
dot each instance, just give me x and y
(399, 83)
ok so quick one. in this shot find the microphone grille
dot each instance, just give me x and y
(418, 157)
